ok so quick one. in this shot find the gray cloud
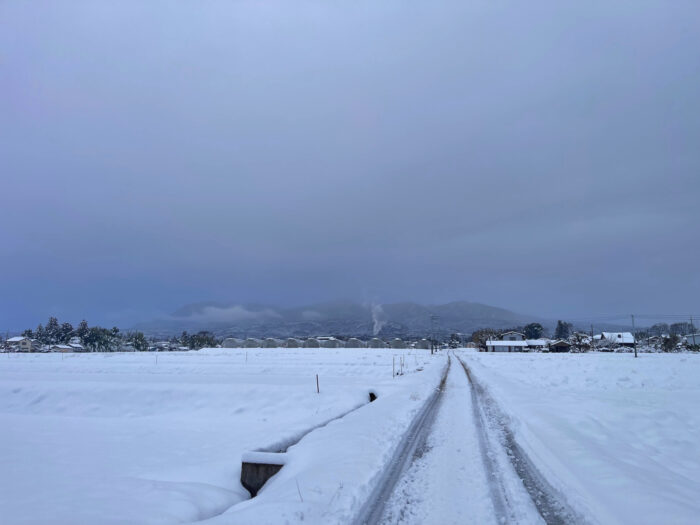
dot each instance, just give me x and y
(537, 156)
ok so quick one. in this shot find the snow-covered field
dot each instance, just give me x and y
(119, 438)
(620, 437)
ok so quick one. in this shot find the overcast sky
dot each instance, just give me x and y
(542, 156)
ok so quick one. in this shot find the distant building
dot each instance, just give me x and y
(423, 344)
(506, 346)
(559, 346)
(537, 344)
(232, 342)
(253, 343)
(617, 338)
(354, 342)
(311, 343)
(512, 336)
(61, 348)
(692, 339)
(271, 342)
(397, 343)
(23, 344)
(329, 342)
(375, 342)
(294, 343)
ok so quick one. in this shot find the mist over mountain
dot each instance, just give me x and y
(342, 318)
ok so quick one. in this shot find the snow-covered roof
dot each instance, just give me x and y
(536, 342)
(16, 339)
(618, 337)
(63, 347)
(506, 343)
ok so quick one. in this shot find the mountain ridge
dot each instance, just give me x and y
(338, 317)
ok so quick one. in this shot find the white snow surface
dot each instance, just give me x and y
(122, 439)
(618, 436)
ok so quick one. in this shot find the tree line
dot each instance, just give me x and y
(100, 339)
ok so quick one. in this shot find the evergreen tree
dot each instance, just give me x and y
(533, 331)
(669, 343)
(65, 333)
(52, 331)
(563, 330)
(202, 339)
(138, 341)
(82, 330)
(40, 334)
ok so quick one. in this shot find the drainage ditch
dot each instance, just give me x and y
(259, 466)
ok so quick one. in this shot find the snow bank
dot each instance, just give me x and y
(329, 474)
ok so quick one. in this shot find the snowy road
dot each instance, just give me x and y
(470, 470)
(447, 483)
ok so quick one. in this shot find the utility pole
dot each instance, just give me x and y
(433, 345)
(634, 337)
(692, 327)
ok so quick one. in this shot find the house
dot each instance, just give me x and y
(506, 346)
(61, 348)
(559, 346)
(23, 344)
(617, 338)
(423, 344)
(77, 347)
(537, 344)
(692, 339)
(512, 336)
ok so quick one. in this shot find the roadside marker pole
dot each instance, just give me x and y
(318, 390)
(393, 366)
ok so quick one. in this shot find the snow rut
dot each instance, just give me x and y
(411, 446)
(547, 500)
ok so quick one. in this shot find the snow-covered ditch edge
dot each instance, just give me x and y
(330, 473)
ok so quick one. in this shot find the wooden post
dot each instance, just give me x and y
(393, 366)
(318, 390)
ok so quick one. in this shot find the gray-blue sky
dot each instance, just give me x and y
(541, 156)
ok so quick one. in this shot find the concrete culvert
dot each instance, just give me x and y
(372, 396)
(258, 467)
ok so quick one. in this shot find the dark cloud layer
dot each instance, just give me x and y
(541, 156)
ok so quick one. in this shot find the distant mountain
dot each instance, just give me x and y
(342, 318)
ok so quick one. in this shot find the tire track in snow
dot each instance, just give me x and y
(547, 500)
(497, 491)
(448, 485)
(412, 445)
